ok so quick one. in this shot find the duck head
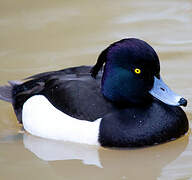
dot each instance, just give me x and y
(132, 74)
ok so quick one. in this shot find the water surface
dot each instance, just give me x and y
(41, 35)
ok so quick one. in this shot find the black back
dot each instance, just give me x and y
(72, 90)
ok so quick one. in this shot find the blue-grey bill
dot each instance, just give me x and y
(162, 92)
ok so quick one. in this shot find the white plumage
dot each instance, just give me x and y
(41, 118)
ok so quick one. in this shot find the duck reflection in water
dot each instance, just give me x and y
(146, 163)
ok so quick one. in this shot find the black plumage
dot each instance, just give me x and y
(119, 95)
(72, 90)
(143, 126)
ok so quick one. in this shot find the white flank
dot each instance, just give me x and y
(41, 118)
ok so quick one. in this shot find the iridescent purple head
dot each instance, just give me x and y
(132, 74)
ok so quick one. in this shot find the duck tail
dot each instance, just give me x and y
(6, 91)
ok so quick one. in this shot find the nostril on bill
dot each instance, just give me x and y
(183, 102)
(162, 89)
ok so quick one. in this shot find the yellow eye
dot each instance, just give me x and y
(137, 71)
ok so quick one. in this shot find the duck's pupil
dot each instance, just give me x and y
(137, 71)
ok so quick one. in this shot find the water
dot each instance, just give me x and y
(38, 36)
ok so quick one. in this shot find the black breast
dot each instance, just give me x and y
(143, 126)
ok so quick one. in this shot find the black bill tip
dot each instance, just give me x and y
(183, 102)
